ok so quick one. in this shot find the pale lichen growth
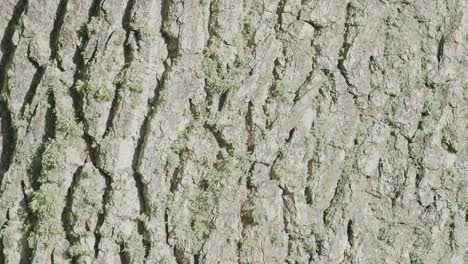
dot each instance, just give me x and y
(202, 206)
(98, 93)
(91, 28)
(76, 250)
(47, 207)
(23, 122)
(222, 76)
(257, 215)
(51, 157)
(103, 94)
(67, 124)
(415, 259)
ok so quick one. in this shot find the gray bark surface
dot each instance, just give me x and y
(222, 131)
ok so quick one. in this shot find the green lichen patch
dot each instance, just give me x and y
(67, 124)
(98, 93)
(222, 75)
(45, 203)
(92, 27)
(46, 206)
(253, 14)
(76, 250)
(280, 88)
(121, 78)
(316, 139)
(257, 215)
(310, 245)
(192, 230)
(51, 157)
(104, 94)
(415, 259)
(136, 88)
(24, 121)
(202, 206)
(247, 246)
(167, 260)
(314, 243)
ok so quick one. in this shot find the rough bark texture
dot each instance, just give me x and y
(222, 131)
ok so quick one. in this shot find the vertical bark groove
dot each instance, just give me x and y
(55, 34)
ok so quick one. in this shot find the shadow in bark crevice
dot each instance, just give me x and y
(54, 41)
(67, 210)
(7, 46)
(8, 140)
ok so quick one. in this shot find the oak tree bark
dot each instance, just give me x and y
(221, 131)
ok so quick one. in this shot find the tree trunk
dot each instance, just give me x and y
(221, 131)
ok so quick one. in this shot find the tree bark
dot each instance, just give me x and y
(221, 131)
